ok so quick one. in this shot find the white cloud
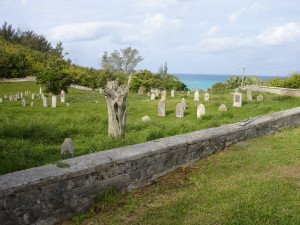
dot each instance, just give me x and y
(155, 4)
(24, 2)
(280, 34)
(213, 30)
(233, 17)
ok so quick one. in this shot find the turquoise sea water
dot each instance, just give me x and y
(204, 81)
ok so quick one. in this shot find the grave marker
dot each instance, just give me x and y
(164, 95)
(152, 96)
(67, 146)
(196, 95)
(23, 102)
(237, 99)
(179, 110)
(260, 98)
(200, 110)
(54, 101)
(183, 101)
(172, 93)
(249, 95)
(206, 96)
(161, 108)
(222, 107)
(45, 102)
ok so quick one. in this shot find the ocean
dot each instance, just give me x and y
(204, 81)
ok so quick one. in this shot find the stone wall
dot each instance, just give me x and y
(18, 79)
(275, 90)
(48, 194)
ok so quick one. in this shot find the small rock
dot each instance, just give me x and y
(67, 146)
(146, 118)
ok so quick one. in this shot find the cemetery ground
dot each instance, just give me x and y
(254, 184)
(31, 136)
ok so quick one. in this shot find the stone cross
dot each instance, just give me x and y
(183, 101)
(249, 95)
(237, 99)
(196, 95)
(164, 95)
(200, 110)
(172, 93)
(67, 147)
(206, 96)
(222, 107)
(23, 102)
(54, 101)
(62, 96)
(180, 110)
(161, 108)
(45, 102)
(152, 96)
(260, 98)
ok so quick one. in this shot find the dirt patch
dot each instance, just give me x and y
(291, 171)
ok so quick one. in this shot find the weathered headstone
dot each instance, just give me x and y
(1, 100)
(183, 101)
(68, 104)
(237, 99)
(200, 110)
(161, 108)
(31, 104)
(206, 96)
(172, 93)
(180, 110)
(62, 96)
(40, 90)
(23, 102)
(33, 96)
(67, 147)
(222, 107)
(45, 102)
(10, 97)
(196, 95)
(152, 96)
(260, 98)
(18, 96)
(21, 95)
(249, 95)
(42, 95)
(146, 118)
(5, 96)
(164, 95)
(54, 101)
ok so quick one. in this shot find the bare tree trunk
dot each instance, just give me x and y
(116, 96)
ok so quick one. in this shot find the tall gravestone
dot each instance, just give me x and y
(23, 102)
(1, 100)
(183, 101)
(62, 96)
(40, 90)
(5, 96)
(152, 96)
(45, 102)
(249, 95)
(164, 95)
(54, 101)
(200, 110)
(161, 108)
(180, 110)
(33, 96)
(237, 99)
(206, 96)
(196, 95)
(172, 93)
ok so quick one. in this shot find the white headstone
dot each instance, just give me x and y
(260, 98)
(33, 96)
(31, 104)
(172, 93)
(67, 146)
(10, 97)
(42, 95)
(54, 101)
(237, 99)
(5, 96)
(62, 96)
(206, 96)
(200, 110)
(161, 108)
(152, 96)
(163, 95)
(249, 95)
(196, 95)
(1, 100)
(183, 101)
(68, 104)
(146, 118)
(222, 107)
(23, 102)
(45, 102)
(179, 110)
(21, 95)
(40, 90)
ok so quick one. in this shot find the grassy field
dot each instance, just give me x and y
(32, 136)
(256, 184)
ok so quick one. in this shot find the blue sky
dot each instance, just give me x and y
(192, 36)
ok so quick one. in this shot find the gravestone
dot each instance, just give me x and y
(222, 107)
(152, 96)
(42, 95)
(164, 95)
(161, 108)
(260, 98)
(146, 118)
(18, 96)
(183, 101)
(1, 100)
(237, 99)
(31, 104)
(54, 101)
(249, 95)
(196, 95)
(67, 147)
(45, 102)
(62, 96)
(200, 110)
(5, 96)
(33, 96)
(68, 104)
(21, 95)
(188, 93)
(179, 110)
(172, 93)
(40, 90)
(23, 102)
(10, 97)
(206, 96)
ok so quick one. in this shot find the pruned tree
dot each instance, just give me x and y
(115, 94)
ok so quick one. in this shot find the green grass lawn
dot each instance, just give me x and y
(256, 184)
(32, 136)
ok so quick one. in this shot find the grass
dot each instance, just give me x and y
(32, 136)
(256, 184)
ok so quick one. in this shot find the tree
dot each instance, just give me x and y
(124, 60)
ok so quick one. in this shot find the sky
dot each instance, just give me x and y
(192, 36)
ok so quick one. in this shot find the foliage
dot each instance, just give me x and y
(286, 82)
(124, 60)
